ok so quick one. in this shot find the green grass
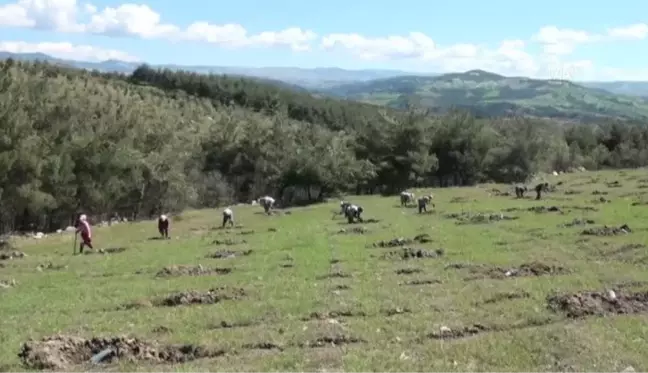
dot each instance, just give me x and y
(82, 299)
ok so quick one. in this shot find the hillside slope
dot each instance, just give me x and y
(490, 94)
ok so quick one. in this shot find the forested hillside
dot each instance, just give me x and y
(161, 141)
(488, 94)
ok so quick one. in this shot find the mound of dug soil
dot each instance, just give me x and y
(333, 315)
(336, 274)
(400, 241)
(12, 255)
(211, 296)
(5, 284)
(50, 266)
(577, 222)
(228, 242)
(524, 270)
(109, 250)
(598, 303)
(225, 254)
(410, 253)
(354, 230)
(61, 352)
(183, 270)
(607, 231)
(332, 341)
(421, 282)
(479, 218)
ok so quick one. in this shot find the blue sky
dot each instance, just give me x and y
(557, 39)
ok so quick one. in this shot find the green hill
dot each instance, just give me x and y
(490, 94)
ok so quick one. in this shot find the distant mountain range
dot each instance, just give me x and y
(316, 78)
(482, 92)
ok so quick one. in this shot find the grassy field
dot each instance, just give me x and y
(314, 293)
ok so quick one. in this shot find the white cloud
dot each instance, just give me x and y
(141, 21)
(67, 51)
(638, 31)
(510, 57)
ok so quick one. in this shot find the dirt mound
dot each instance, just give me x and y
(333, 315)
(479, 218)
(458, 200)
(598, 303)
(226, 254)
(599, 193)
(640, 203)
(354, 230)
(614, 184)
(528, 269)
(601, 200)
(400, 241)
(341, 287)
(51, 267)
(573, 191)
(109, 250)
(499, 193)
(5, 284)
(262, 346)
(335, 275)
(246, 233)
(577, 222)
(478, 328)
(507, 296)
(607, 231)
(6, 245)
(421, 282)
(463, 332)
(544, 209)
(228, 242)
(331, 341)
(396, 311)
(408, 271)
(211, 296)
(236, 324)
(64, 352)
(286, 265)
(12, 255)
(183, 270)
(407, 253)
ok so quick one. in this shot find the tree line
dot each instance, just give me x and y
(158, 141)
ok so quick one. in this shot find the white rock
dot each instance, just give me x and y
(70, 229)
(39, 235)
(555, 173)
(59, 231)
(445, 329)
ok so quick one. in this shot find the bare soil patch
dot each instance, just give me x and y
(614, 184)
(600, 193)
(396, 311)
(601, 200)
(332, 341)
(6, 284)
(108, 250)
(407, 253)
(333, 315)
(607, 231)
(577, 222)
(408, 271)
(500, 297)
(51, 267)
(228, 242)
(62, 352)
(421, 282)
(263, 346)
(226, 254)
(354, 230)
(336, 274)
(479, 271)
(211, 296)
(184, 270)
(401, 241)
(235, 324)
(246, 233)
(592, 303)
(9, 255)
(479, 218)
(573, 191)
(286, 265)
(478, 328)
